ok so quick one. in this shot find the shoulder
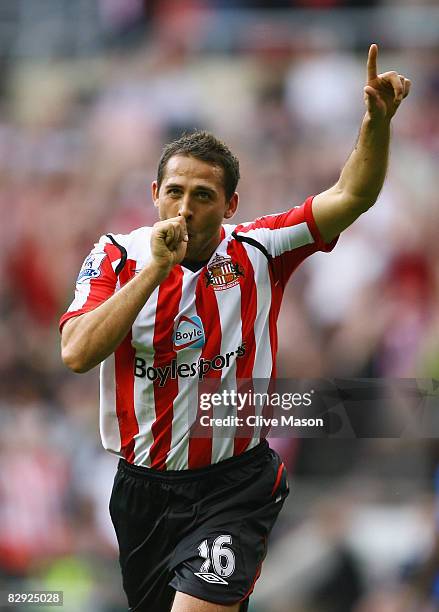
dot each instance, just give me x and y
(287, 218)
(285, 231)
(228, 230)
(131, 239)
(133, 243)
(117, 249)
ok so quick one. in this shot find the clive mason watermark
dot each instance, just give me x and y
(316, 408)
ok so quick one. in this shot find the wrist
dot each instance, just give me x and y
(157, 271)
(376, 121)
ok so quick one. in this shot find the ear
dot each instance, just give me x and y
(155, 193)
(232, 205)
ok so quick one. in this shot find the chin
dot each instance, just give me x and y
(194, 255)
(191, 256)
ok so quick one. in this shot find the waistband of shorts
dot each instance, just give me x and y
(140, 471)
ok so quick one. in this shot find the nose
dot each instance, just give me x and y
(184, 209)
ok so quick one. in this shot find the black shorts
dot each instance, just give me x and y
(202, 532)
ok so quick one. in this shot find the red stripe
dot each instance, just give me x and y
(200, 448)
(288, 218)
(128, 272)
(315, 232)
(258, 571)
(244, 365)
(124, 372)
(289, 261)
(168, 303)
(113, 252)
(276, 300)
(278, 479)
(252, 586)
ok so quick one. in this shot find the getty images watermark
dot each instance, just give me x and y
(252, 409)
(316, 408)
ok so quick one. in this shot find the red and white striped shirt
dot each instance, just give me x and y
(217, 322)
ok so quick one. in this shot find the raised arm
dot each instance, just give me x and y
(363, 175)
(91, 337)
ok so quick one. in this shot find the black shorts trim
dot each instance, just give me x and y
(178, 475)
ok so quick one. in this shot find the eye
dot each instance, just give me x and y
(203, 195)
(173, 191)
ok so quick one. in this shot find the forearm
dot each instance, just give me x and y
(89, 338)
(363, 174)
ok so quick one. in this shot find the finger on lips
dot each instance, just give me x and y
(175, 233)
(182, 225)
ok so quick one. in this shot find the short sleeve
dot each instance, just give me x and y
(96, 280)
(287, 238)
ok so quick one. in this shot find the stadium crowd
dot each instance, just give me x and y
(79, 141)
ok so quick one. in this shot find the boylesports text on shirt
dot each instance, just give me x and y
(173, 370)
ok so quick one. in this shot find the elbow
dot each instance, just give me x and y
(74, 361)
(366, 202)
(73, 349)
(360, 204)
(357, 200)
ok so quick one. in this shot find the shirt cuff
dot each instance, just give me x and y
(315, 232)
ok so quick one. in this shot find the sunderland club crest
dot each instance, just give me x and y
(222, 273)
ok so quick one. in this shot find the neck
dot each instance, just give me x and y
(204, 253)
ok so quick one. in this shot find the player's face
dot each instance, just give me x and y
(195, 190)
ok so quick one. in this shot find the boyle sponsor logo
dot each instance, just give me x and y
(189, 333)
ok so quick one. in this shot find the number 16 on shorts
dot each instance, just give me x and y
(219, 558)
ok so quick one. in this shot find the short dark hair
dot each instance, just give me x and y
(205, 147)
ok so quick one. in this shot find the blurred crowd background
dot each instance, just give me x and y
(90, 91)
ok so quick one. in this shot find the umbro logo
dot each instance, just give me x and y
(189, 333)
(210, 577)
(217, 556)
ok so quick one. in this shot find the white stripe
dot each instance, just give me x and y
(108, 421)
(229, 308)
(278, 241)
(262, 367)
(115, 263)
(82, 293)
(228, 229)
(185, 405)
(144, 404)
(263, 364)
(137, 244)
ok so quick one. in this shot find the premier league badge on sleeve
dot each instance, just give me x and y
(91, 268)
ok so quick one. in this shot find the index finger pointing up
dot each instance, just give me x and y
(372, 63)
